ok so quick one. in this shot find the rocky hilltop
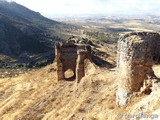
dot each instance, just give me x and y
(42, 95)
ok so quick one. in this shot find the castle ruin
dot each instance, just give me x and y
(70, 55)
(137, 53)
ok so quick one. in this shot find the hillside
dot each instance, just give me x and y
(23, 30)
(37, 95)
(29, 89)
(23, 14)
(26, 37)
(92, 99)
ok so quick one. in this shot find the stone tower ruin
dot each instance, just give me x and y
(137, 53)
(70, 55)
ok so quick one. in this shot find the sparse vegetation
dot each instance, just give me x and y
(28, 79)
(101, 36)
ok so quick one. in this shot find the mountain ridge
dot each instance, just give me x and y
(23, 30)
(16, 10)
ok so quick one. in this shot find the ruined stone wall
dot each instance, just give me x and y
(137, 53)
(70, 55)
(80, 72)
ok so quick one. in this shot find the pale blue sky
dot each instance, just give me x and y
(70, 7)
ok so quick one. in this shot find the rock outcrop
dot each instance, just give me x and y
(137, 53)
(70, 55)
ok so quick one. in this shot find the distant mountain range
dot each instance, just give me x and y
(23, 30)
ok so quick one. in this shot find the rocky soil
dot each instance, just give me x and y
(37, 95)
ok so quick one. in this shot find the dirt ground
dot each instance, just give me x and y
(38, 95)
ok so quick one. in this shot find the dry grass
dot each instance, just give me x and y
(37, 95)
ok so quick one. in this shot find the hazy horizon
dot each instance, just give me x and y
(50, 8)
